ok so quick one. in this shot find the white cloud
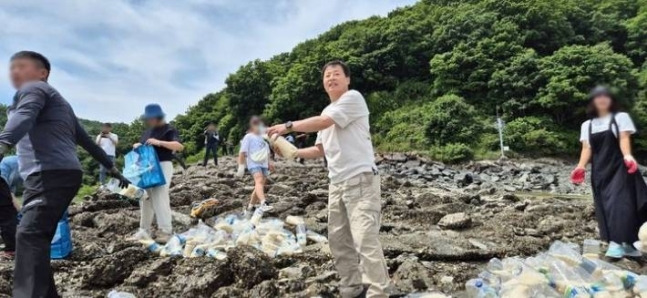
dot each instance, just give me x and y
(110, 58)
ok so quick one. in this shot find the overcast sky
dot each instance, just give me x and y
(110, 58)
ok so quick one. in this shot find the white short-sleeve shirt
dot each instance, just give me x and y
(623, 121)
(347, 144)
(255, 144)
(107, 145)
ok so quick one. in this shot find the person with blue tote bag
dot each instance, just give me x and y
(166, 140)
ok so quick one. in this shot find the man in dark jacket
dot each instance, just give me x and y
(45, 131)
(211, 142)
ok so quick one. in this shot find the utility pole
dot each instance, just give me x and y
(500, 125)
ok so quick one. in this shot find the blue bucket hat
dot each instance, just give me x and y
(153, 110)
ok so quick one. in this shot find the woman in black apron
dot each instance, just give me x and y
(619, 191)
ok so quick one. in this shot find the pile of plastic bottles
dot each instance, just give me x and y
(268, 235)
(560, 272)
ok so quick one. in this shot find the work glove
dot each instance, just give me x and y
(241, 171)
(578, 175)
(632, 165)
(123, 182)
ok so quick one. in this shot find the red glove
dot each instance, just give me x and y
(578, 175)
(632, 165)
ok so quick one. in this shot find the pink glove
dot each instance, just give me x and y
(578, 175)
(632, 165)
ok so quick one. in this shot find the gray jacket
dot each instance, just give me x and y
(45, 130)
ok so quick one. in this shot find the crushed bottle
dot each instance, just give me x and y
(560, 272)
(117, 294)
(591, 249)
(318, 238)
(216, 254)
(174, 247)
(477, 288)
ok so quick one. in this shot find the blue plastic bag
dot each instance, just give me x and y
(62, 242)
(61, 245)
(142, 167)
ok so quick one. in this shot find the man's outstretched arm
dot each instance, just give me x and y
(312, 124)
(313, 152)
(84, 140)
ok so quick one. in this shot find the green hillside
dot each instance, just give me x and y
(434, 73)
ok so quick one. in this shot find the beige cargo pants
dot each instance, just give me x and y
(353, 227)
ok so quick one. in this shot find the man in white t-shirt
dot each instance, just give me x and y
(108, 142)
(354, 192)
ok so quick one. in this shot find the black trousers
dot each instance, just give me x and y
(211, 148)
(8, 220)
(46, 197)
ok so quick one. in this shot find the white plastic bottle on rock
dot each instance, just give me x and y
(477, 288)
(174, 247)
(216, 254)
(301, 235)
(116, 294)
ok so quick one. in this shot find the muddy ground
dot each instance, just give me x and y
(440, 226)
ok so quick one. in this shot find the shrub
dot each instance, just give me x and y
(452, 153)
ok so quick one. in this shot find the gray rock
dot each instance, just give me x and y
(455, 221)
(412, 276)
(250, 266)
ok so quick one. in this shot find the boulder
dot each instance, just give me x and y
(455, 221)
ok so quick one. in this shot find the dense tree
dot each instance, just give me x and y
(533, 61)
(573, 70)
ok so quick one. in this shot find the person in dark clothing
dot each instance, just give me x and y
(211, 142)
(8, 221)
(166, 141)
(45, 130)
(9, 185)
(619, 191)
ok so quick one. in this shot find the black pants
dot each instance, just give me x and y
(211, 148)
(46, 197)
(8, 220)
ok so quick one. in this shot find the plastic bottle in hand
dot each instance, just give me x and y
(286, 148)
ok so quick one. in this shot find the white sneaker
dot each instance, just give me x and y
(141, 234)
(265, 207)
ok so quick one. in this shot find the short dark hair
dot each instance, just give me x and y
(337, 63)
(34, 56)
(107, 124)
(591, 111)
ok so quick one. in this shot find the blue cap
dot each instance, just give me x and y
(153, 110)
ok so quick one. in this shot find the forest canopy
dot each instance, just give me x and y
(435, 74)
